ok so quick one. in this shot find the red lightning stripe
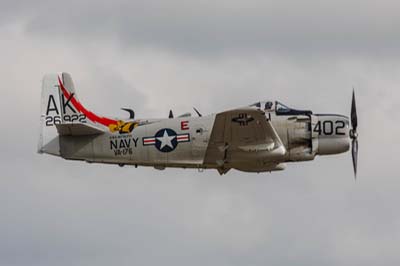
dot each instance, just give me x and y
(91, 116)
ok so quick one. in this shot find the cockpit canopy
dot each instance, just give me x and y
(280, 108)
(263, 105)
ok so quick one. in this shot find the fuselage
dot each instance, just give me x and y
(184, 142)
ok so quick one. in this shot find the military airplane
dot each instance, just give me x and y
(261, 137)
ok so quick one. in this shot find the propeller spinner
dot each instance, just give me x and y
(354, 134)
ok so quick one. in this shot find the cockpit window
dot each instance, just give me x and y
(281, 108)
(263, 105)
(258, 105)
(268, 105)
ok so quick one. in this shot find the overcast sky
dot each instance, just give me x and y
(156, 55)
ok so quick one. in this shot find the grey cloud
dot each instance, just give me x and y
(305, 28)
(57, 212)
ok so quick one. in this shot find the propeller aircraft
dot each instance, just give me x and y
(261, 137)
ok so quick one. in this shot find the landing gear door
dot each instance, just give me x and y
(314, 134)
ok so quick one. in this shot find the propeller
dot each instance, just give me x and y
(354, 134)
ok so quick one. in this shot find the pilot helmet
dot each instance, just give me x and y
(268, 105)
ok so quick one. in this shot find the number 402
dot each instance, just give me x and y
(329, 127)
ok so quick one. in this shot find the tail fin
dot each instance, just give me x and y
(63, 114)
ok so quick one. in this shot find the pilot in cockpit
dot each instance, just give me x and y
(268, 106)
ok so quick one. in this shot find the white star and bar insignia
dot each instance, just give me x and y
(166, 140)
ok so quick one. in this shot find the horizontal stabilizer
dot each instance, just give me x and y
(77, 130)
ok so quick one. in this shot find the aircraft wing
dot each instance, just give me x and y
(240, 131)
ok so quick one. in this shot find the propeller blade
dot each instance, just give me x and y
(354, 121)
(354, 153)
(171, 115)
(198, 113)
(130, 111)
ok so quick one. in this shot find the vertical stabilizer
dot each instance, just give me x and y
(50, 115)
(63, 114)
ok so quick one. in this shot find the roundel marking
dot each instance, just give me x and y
(166, 140)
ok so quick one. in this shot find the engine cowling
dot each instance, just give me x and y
(300, 144)
(333, 134)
